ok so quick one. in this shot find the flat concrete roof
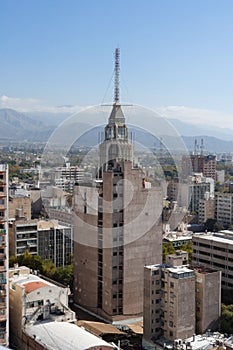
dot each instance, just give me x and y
(221, 237)
(179, 269)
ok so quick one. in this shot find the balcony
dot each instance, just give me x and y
(2, 317)
(2, 341)
(2, 294)
(3, 305)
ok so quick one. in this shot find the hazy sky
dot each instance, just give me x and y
(176, 55)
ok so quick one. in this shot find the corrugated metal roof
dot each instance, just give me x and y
(99, 328)
(136, 327)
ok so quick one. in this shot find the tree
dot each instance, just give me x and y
(64, 275)
(226, 321)
(188, 247)
(33, 262)
(48, 268)
(167, 249)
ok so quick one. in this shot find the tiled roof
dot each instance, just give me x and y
(31, 286)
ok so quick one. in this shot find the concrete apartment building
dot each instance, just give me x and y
(224, 208)
(208, 299)
(179, 301)
(4, 297)
(23, 236)
(206, 209)
(215, 250)
(48, 239)
(19, 207)
(67, 176)
(169, 300)
(55, 242)
(199, 163)
(111, 243)
(195, 188)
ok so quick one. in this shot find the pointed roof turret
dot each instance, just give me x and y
(116, 115)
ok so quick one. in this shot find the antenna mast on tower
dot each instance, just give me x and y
(202, 147)
(117, 74)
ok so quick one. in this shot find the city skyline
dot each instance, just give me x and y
(176, 56)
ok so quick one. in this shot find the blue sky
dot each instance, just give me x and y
(175, 54)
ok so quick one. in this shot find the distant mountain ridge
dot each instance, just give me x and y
(17, 126)
(37, 126)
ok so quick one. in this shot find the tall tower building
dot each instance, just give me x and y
(4, 300)
(116, 228)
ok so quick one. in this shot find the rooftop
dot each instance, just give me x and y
(31, 286)
(179, 270)
(63, 335)
(28, 281)
(99, 328)
(216, 237)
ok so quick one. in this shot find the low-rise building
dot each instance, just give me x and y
(33, 299)
(62, 335)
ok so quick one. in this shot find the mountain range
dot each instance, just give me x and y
(38, 126)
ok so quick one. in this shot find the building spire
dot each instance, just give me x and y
(117, 71)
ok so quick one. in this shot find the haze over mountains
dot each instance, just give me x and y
(38, 126)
